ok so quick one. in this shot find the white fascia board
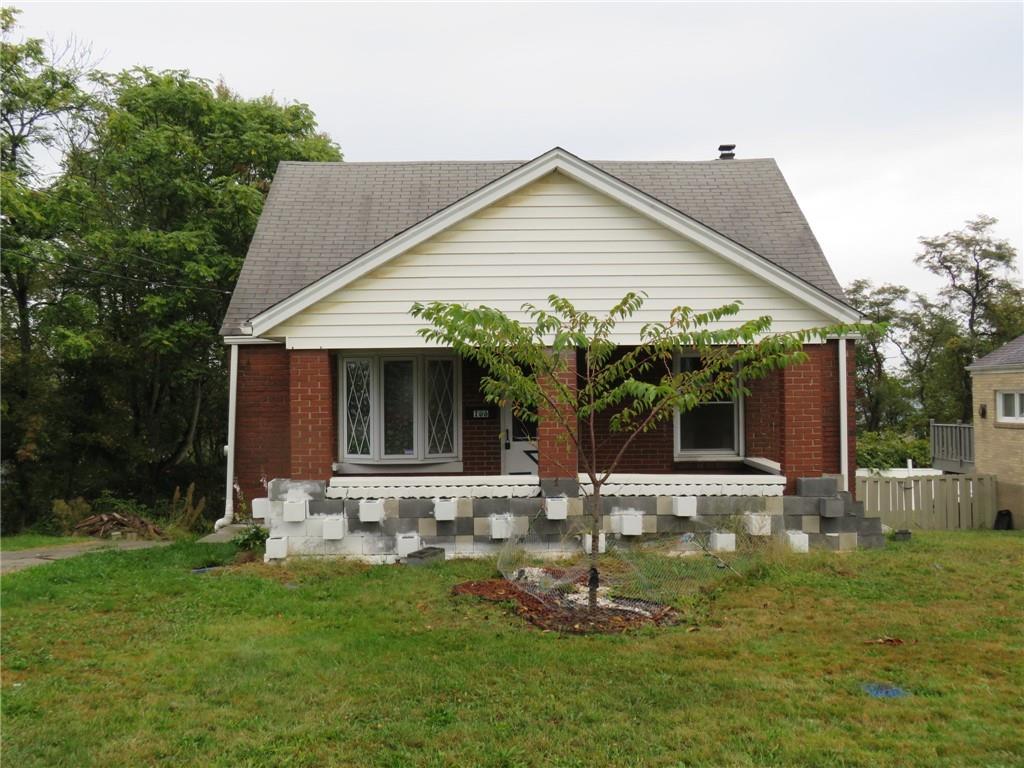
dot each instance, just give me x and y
(236, 340)
(555, 160)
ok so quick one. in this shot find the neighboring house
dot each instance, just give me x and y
(331, 380)
(998, 391)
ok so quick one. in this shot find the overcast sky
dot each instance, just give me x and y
(890, 121)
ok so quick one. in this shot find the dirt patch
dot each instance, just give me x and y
(562, 616)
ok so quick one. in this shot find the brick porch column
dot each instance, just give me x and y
(802, 418)
(311, 414)
(557, 458)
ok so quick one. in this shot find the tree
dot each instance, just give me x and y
(988, 306)
(530, 366)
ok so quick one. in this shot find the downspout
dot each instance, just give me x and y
(229, 448)
(844, 439)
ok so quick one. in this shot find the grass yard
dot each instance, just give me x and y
(19, 541)
(127, 659)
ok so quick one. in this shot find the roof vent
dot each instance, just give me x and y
(727, 151)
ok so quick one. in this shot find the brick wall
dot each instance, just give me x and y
(481, 443)
(313, 425)
(555, 452)
(999, 447)
(262, 445)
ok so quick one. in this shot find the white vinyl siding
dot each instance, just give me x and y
(554, 236)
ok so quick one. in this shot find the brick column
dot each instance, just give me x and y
(802, 417)
(311, 415)
(557, 456)
(262, 450)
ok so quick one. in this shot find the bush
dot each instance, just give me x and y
(253, 537)
(890, 450)
(67, 514)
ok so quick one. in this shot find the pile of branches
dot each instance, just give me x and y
(105, 524)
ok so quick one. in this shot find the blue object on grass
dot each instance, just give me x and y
(881, 691)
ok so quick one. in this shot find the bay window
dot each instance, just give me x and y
(711, 430)
(399, 408)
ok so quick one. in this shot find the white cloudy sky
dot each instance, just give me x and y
(890, 121)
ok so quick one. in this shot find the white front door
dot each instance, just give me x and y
(519, 444)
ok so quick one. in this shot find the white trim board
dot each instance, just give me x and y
(583, 172)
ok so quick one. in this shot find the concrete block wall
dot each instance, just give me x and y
(830, 517)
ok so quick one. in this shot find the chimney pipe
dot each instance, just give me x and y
(727, 151)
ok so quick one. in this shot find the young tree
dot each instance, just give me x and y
(530, 366)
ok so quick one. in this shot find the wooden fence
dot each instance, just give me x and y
(937, 502)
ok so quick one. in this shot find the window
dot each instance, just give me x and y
(399, 409)
(711, 429)
(1010, 407)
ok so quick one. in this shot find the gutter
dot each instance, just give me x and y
(229, 448)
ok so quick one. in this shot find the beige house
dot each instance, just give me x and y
(998, 386)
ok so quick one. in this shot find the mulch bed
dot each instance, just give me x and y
(553, 616)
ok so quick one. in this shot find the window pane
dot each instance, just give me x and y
(1009, 405)
(708, 428)
(440, 406)
(357, 407)
(399, 408)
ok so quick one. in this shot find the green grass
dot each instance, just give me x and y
(127, 659)
(19, 541)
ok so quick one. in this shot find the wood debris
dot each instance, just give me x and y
(116, 525)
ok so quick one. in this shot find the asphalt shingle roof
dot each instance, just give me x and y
(1011, 353)
(320, 216)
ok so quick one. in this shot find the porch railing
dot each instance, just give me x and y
(952, 446)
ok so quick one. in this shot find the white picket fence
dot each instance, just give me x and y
(946, 502)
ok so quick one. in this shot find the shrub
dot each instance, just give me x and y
(68, 514)
(889, 450)
(107, 502)
(252, 537)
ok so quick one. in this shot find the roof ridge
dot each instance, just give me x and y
(519, 162)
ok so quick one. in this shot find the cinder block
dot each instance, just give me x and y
(315, 527)
(406, 543)
(831, 507)
(464, 545)
(446, 509)
(841, 542)
(501, 526)
(575, 507)
(627, 522)
(816, 486)
(276, 549)
(650, 523)
(684, 506)
(871, 540)
(305, 546)
(602, 542)
(810, 524)
(844, 524)
(392, 508)
(798, 505)
(798, 541)
(758, 524)
(295, 511)
(521, 525)
(720, 541)
(869, 525)
(427, 527)
(481, 526)
(464, 507)
(371, 510)
(556, 508)
(334, 528)
(773, 505)
(260, 509)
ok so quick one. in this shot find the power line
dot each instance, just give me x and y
(163, 283)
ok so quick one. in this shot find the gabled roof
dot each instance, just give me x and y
(1010, 355)
(321, 217)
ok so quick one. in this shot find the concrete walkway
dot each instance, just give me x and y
(224, 535)
(26, 558)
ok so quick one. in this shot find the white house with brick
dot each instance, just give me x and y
(331, 384)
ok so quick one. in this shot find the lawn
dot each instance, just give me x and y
(19, 541)
(128, 659)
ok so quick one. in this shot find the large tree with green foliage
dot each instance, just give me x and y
(117, 272)
(564, 367)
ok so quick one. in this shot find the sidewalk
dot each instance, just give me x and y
(26, 558)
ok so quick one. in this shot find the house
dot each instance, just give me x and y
(997, 385)
(331, 383)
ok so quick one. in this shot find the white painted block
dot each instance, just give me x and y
(445, 510)
(758, 524)
(371, 510)
(798, 541)
(684, 506)
(305, 545)
(722, 542)
(334, 528)
(260, 509)
(295, 511)
(501, 526)
(276, 549)
(556, 508)
(602, 542)
(627, 522)
(406, 543)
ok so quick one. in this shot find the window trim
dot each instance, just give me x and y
(708, 454)
(1003, 419)
(376, 457)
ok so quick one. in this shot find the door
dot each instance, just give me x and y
(519, 444)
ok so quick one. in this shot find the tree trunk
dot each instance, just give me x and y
(595, 545)
(189, 440)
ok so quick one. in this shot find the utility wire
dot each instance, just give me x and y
(163, 283)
